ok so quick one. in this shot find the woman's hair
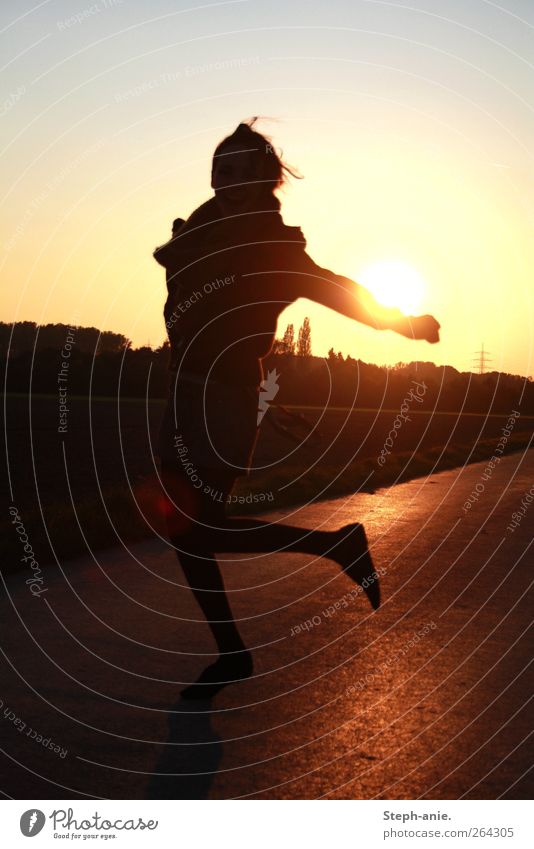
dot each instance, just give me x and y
(270, 165)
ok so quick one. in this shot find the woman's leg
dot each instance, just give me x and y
(347, 546)
(235, 662)
(203, 575)
(198, 527)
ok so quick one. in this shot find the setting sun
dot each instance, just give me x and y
(394, 284)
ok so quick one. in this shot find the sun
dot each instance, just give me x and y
(394, 284)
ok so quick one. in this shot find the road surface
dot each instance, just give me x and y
(427, 698)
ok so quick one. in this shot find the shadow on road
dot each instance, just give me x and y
(193, 751)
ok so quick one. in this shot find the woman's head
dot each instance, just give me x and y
(246, 171)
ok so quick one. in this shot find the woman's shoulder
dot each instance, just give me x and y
(285, 232)
(295, 234)
(203, 214)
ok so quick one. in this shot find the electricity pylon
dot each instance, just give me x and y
(481, 360)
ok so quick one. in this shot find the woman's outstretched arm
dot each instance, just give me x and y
(349, 298)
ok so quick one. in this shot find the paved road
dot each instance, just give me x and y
(428, 697)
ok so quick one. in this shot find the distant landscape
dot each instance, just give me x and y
(87, 475)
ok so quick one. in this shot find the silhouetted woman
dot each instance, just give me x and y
(232, 268)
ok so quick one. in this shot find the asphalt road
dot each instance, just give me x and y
(428, 697)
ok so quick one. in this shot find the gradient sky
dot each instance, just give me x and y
(413, 125)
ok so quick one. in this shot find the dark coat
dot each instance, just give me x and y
(228, 281)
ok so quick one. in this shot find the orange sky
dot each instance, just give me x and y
(413, 131)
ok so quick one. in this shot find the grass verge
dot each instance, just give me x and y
(130, 516)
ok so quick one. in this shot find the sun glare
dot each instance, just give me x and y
(394, 284)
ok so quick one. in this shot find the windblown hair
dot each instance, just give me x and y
(271, 168)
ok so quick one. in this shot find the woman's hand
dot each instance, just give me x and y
(420, 327)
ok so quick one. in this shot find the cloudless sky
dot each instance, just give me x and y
(412, 123)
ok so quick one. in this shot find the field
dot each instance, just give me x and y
(97, 483)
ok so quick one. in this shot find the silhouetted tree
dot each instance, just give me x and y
(335, 359)
(288, 340)
(304, 340)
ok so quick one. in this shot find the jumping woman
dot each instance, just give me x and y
(232, 268)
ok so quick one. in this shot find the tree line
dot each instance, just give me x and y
(23, 336)
(105, 364)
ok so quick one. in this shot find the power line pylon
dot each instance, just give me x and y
(481, 360)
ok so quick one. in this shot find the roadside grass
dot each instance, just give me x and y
(129, 516)
(324, 482)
